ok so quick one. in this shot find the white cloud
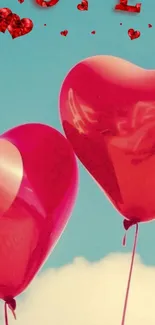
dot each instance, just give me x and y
(86, 293)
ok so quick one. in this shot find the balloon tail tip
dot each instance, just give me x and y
(124, 241)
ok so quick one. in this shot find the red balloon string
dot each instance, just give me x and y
(124, 240)
(130, 273)
(12, 305)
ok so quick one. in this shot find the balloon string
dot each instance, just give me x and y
(6, 314)
(130, 275)
(12, 308)
(124, 240)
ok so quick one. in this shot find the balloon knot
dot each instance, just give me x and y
(129, 223)
(11, 302)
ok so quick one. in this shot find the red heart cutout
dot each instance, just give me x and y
(46, 4)
(107, 108)
(5, 19)
(93, 32)
(133, 34)
(19, 27)
(31, 227)
(83, 6)
(64, 32)
(150, 25)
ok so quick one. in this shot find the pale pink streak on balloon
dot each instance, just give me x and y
(77, 120)
(80, 112)
(11, 173)
(139, 131)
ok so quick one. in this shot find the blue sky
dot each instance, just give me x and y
(31, 73)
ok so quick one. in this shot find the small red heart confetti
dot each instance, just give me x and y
(20, 1)
(5, 19)
(64, 32)
(93, 32)
(150, 25)
(19, 27)
(46, 4)
(83, 6)
(133, 34)
(45, 25)
(121, 24)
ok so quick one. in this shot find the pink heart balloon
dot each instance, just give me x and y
(107, 108)
(31, 227)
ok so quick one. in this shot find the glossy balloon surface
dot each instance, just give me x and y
(31, 226)
(11, 174)
(107, 108)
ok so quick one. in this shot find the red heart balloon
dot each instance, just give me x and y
(107, 109)
(19, 27)
(31, 227)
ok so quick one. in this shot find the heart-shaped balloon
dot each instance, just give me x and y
(30, 228)
(107, 108)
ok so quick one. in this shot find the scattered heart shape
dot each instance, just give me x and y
(133, 34)
(150, 25)
(83, 6)
(19, 27)
(64, 32)
(93, 32)
(46, 4)
(5, 19)
(20, 1)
